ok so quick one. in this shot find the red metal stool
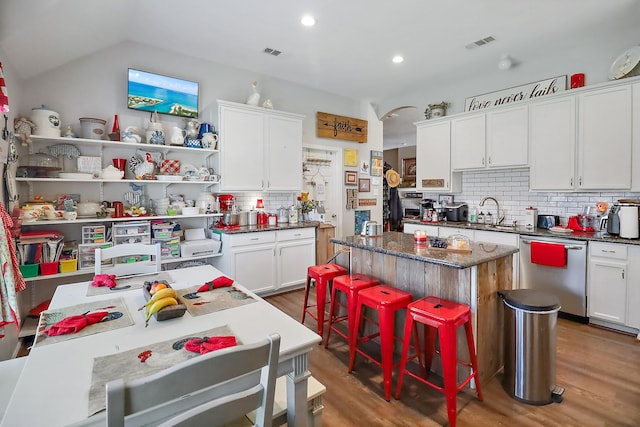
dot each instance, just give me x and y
(386, 300)
(322, 274)
(445, 316)
(350, 285)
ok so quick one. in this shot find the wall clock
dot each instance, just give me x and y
(625, 63)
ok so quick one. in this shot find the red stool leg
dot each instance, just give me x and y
(353, 337)
(449, 355)
(386, 318)
(332, 307)
(306, 298)
(321, 298)
(408, 326)
(474, 357)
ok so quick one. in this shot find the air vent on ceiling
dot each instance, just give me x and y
(480, 42)
(273, 52)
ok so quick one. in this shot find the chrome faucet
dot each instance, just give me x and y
(499, 218)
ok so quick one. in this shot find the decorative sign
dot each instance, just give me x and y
(432, 183)
(367, 202)
(364, 185)
(352, 198)
(350, 177)
(376, 163)
(516, 94)
(340, 127)
(350, 157)
(360, 218)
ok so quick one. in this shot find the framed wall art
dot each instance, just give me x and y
(409, 168)
(364, 166)
(376, 163)
(350, 178)
(364, 185)
(350, 157)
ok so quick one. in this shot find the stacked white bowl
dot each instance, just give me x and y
(161, 205)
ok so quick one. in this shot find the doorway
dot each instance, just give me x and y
(321, 178)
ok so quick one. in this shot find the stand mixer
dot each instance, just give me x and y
(583, 222)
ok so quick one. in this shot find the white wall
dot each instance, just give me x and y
(95, 86)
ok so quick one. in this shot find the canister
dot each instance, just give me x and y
(47, 122)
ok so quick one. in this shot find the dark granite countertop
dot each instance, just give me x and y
(598, 236)
(402, 245)
(257, 228)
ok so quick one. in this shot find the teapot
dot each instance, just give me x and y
(177, 135)
(193, 127)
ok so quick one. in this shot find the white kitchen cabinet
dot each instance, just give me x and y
(607, 282)
(268, 261)
(635, 137)
(604, 139)
(261, 148)
(633, 287)
(468, 141)
(433, 158)
(552, 136)
(295, 253)
(507, 137)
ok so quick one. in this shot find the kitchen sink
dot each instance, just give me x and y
(501, 227)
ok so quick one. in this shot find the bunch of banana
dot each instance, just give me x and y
(161, 299)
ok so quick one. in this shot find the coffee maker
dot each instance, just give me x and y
(425, 205)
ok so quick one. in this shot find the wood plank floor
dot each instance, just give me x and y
(600, 370)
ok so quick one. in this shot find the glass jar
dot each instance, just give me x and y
(293, 214)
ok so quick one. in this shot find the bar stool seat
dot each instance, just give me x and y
(350, 285)
(323, 275)
(446, 317)
(386, 300)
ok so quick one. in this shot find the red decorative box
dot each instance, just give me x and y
(170, 167)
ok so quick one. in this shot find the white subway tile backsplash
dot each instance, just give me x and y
(511, 188)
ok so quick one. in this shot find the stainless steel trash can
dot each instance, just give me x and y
(530, 318)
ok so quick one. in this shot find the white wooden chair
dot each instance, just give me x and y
(10, 371)
(212, 389)
(130, 250)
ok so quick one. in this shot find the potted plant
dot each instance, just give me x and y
(436, 110)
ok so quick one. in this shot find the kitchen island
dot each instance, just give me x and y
(471, 278)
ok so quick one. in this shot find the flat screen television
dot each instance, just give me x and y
(166, 95)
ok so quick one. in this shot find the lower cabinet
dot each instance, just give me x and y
(268, 261)
(614, 283)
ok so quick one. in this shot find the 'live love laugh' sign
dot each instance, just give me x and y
(516, 94)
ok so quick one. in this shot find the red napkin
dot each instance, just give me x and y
(550, 254)
(108, 280)
(73, 324)
(218, 282)
(206, 344)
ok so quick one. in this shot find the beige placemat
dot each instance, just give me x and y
(129, 364)
(114, 306)
(211, 301)
(128, 283)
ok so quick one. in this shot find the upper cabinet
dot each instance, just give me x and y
(433, 158)
(262, 148)
(496, 139)
(552, 132)
(468, 140)
(635, 136)
(604, 139)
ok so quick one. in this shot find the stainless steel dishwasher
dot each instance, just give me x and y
(568, 283)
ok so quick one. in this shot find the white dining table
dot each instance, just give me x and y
(53, 389)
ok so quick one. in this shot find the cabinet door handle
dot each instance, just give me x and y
(255, 238)
(571, 182)
(297, 234)
(489, 159)
(580, 182)
(606, 251)
(483, 161)
(622, 274)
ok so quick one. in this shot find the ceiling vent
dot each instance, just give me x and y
(480, 42)
(272, 52)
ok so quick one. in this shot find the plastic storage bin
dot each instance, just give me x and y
(131, 232)
(29, 270)
(94, 234)
(163, 231)
(87, 256)
(168, 248)
(47, 268)
(530, 318)
(68, 265)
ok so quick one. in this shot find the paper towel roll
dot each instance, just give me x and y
(628, 222)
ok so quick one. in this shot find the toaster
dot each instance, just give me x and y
(458, 212)
(548, 221)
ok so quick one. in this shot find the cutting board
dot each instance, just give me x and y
(450, 249)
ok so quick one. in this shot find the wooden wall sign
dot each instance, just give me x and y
(432, 183)
(340, 127)
(366, 202)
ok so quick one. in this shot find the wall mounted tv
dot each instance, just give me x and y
(166, 95)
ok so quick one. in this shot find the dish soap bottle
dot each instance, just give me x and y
(481, 218)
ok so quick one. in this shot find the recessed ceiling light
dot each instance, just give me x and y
(308, 21)
(397, 59)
